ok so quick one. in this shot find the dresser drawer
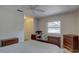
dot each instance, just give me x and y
(68, 37)
(67, 44)
(69, 41)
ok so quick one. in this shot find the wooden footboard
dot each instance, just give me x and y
(51, 40)
(54, 40)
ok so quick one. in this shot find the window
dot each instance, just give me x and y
(54, 27)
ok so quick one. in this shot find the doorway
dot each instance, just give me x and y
(28, 27)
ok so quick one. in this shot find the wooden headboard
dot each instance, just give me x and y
(8, 41)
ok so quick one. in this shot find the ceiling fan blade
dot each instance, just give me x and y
(19, 10)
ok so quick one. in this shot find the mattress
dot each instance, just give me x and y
(31, 46)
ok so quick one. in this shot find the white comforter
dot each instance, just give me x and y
(31, 46)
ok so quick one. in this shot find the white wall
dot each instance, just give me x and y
(68, 23)
(36, 23)
(78, 22)
(11, 24)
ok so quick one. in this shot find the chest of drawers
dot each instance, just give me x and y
(70, 42)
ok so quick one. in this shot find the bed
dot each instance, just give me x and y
(31, 46)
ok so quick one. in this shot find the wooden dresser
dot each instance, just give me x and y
(70, 42)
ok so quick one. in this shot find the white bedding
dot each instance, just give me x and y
(31, 46)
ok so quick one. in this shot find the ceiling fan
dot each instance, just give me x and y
(34, 8)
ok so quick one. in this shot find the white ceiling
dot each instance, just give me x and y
(49, 9)
(53, 10)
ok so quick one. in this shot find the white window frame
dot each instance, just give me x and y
(55, 28)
